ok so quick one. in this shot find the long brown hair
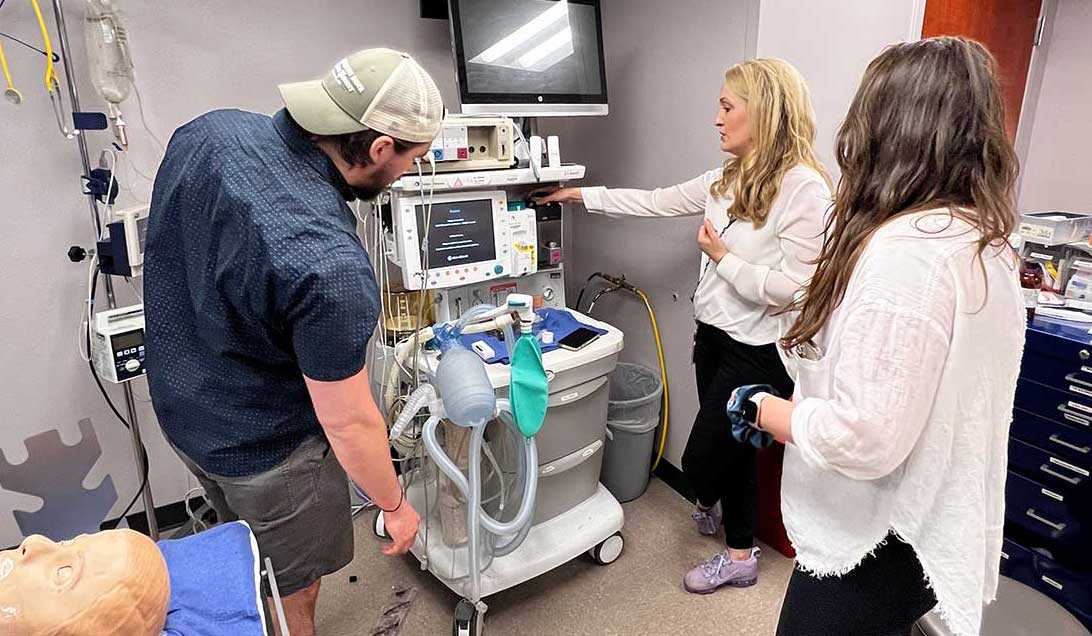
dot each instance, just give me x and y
(782, 124)
(925, 130)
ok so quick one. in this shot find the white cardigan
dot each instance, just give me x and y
(764, 267)
(902, 416)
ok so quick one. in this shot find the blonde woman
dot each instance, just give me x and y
(764, 212)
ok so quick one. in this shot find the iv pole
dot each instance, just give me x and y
(130, 404)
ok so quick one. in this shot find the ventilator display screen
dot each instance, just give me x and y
(460, 232)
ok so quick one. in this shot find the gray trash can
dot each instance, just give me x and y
(633, 415)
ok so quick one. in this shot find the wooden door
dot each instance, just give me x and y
(1008, 28)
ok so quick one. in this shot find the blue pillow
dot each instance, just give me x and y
(215, 583)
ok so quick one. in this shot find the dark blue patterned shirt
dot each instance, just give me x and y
(253, 278)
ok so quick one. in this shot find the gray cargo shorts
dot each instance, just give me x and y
(299, 511)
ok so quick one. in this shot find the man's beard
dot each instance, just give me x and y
(369, 191)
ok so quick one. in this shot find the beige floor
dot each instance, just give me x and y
(639, 594)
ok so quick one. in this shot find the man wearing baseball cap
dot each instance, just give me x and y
(260, 301)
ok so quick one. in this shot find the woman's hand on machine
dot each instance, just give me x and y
(710, 243)
(401, 525)
(558, 195)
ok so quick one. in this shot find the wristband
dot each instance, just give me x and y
(757, 400)
(401, 501)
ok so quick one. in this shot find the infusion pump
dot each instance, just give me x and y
(117, 343)
(472, 237)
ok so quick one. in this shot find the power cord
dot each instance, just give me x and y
(56, 58)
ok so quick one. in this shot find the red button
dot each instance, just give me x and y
(463, 154)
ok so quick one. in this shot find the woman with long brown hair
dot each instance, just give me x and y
(763, 222)
(907, 346)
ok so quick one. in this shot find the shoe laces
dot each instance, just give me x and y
(713, 566)
(701, 515)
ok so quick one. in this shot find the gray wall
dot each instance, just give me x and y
(190, 57)
(1056, 171)
(665, 66)
(832, 42)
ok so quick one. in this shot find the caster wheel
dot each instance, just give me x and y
(468, 620)
(609, 550)
(378, 527)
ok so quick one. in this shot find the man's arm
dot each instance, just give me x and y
(358, 436)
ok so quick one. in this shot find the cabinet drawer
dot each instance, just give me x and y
(1052, 351)
(1057, 474)
(1071, 588)
(1068, 586)
(1073, 443)
(1055, 370)
(1066, 406)
(1057, 518)
(1017, 562)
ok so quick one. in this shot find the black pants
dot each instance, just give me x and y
(717, 466)
(884, 596)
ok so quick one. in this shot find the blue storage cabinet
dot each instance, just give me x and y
(1048, 516)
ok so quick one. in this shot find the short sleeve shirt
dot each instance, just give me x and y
(254, 277)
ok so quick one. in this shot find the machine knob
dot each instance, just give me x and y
(548, 293)
(76, 253)
(1083, 354)
(132, 366)
(498, 269)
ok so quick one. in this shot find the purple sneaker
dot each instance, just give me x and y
(707, 520)
(722, 570)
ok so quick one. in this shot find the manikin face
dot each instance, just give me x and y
(43, 584)
(732, 124)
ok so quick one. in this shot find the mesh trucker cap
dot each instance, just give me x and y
(378, 89)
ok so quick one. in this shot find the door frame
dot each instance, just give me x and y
(1025, 127)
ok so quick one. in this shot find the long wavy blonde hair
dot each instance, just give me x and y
(782, 123)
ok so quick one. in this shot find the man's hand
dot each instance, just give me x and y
(358, 435)
(710, 243)
(401, 525)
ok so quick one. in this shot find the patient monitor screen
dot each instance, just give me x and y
(461, 233)
(531, 46)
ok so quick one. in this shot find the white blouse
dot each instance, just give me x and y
(764, 267)
(902, 414)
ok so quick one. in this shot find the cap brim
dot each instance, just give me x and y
(312, 108)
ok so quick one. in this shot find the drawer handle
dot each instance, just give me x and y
(1052, 583)
(1084, 450)
(1073, 416)
(1069, 480)
(1070, 467)
(1074, 378)
(1060, 527)
(1004, 555)
(1076, 390)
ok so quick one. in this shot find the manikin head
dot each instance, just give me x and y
(112, 582)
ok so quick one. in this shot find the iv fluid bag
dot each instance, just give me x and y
(108, 51)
